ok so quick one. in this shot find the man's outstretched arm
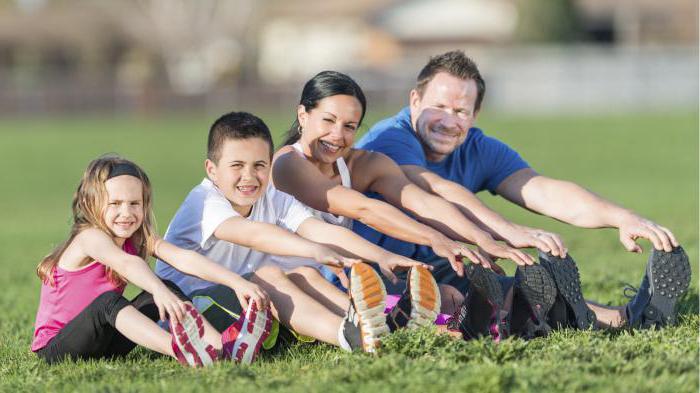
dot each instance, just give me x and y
(573, 204)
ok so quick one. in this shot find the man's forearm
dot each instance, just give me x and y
(572, 204)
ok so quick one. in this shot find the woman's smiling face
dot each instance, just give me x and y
(329, 129)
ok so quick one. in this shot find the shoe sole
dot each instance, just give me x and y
(188, 336)
(538, 289)
(425, 297)
(368, 296)
(566, 277)
(485, 282)
(669, 277)
(248, 334)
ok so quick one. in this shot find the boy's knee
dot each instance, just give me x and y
(270, 272)
(307, 272)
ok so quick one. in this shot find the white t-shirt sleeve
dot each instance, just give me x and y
(216, 209)
(290, 212)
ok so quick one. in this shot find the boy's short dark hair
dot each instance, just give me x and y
(235, 125)
(457, 64)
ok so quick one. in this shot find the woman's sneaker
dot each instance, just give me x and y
(666, 279)
(535, 292)
(188, 340)
(570, 299)
(242, 340)
(482, 313)
(367, 303)
(419, 305)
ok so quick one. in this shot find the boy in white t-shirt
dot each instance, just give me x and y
(235, 219)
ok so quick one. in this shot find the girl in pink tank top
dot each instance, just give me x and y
(82, 313)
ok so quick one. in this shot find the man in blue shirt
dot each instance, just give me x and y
(437, 147)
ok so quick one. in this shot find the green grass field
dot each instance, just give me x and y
(647, 162)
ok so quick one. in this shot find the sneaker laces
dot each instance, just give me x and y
(630, 291)
(453, 320)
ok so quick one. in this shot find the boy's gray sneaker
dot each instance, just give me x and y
(666, 279)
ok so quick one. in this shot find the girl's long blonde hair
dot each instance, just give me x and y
(89, 204)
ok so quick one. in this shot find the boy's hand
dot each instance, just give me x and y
(169, 305)
(329, 257)
(398, 263)
(247, 292)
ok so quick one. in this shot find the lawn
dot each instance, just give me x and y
(647, 162)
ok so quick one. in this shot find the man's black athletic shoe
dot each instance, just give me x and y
(482, 312)
(535, 292)
(667, 277)
(566, 277)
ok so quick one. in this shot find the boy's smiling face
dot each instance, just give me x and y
(242, 172)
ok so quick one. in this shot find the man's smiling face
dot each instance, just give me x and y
(443, 114)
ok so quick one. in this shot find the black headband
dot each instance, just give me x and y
(124, 169)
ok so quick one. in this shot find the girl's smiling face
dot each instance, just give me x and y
(123, 214)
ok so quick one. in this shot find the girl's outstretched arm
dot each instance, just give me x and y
(195, 264)
(97, 245)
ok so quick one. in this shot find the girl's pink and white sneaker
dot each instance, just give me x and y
(242, 340)
(188, 340)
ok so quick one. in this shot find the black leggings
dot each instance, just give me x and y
(92, 334)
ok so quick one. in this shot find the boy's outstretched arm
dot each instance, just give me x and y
(347, 242)
(98, 246)
(272, 239)
(195, 264)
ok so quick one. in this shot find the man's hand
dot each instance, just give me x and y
(524, 237)
(633, 227)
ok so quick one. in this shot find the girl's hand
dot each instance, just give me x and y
(329, 257)
(168, 304)
(398, 263)
(247, 292)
